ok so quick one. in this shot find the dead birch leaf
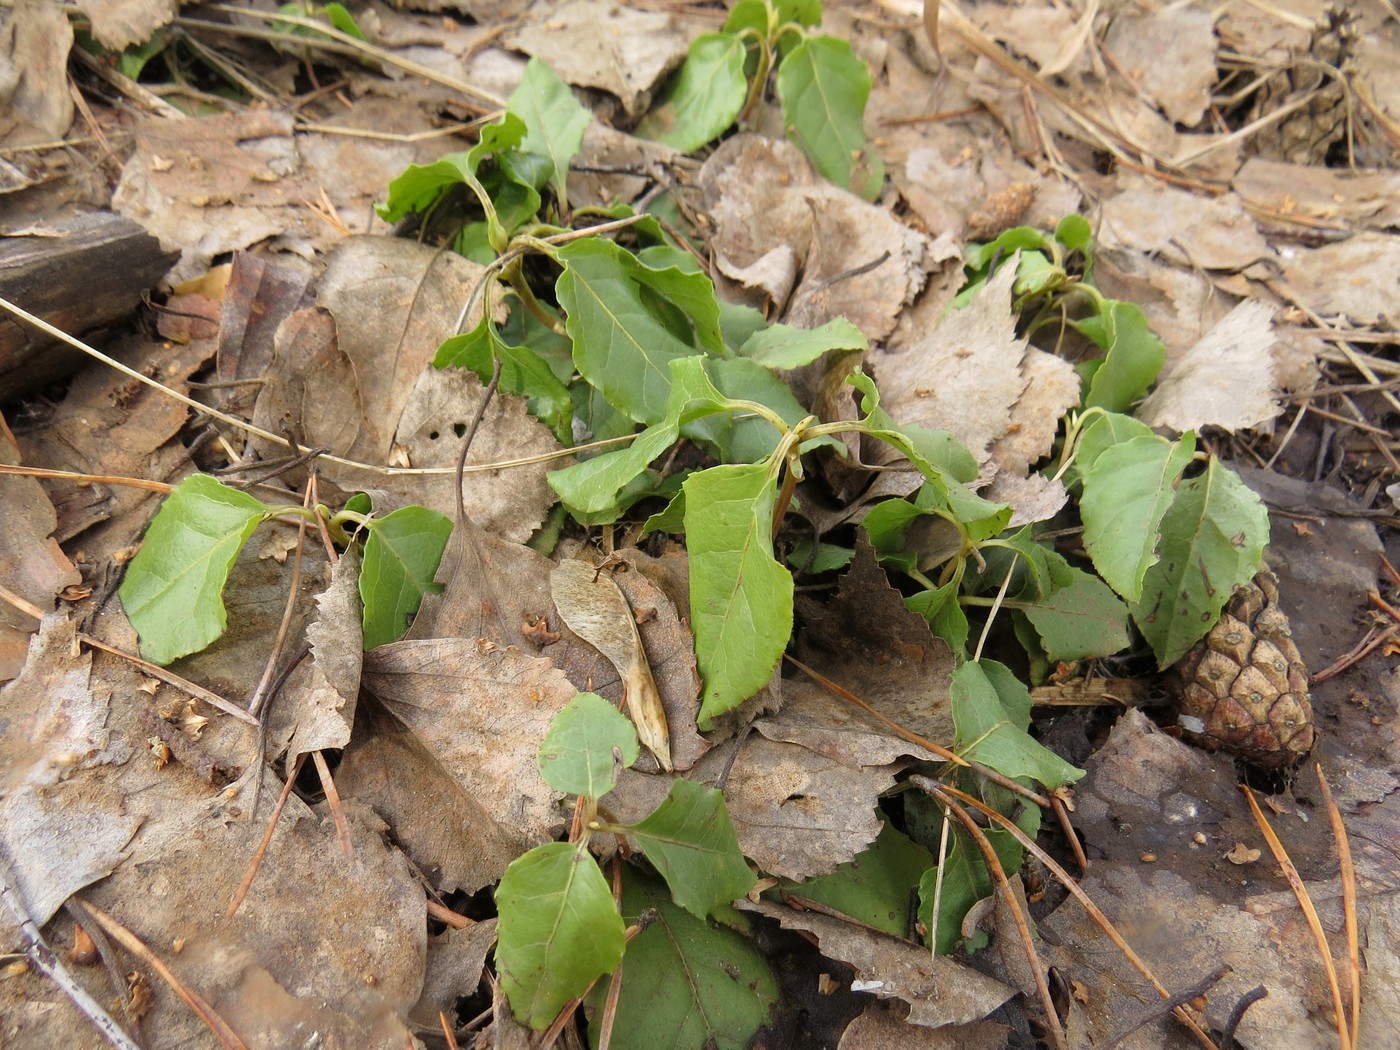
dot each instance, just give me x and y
(1170, 54)
(1225, 380)
(320, 703)
(589, 601)
(482, 712)
(939, 990)
(1215, 233)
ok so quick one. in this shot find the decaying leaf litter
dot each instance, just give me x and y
(1223, 203)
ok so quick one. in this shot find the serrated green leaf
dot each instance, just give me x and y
(555, 119)
(1212, 539)
(966, 881)
(1126, 493)
(876, 886)
(173, 589)
(558, 930)
(1081, 617)
(824, 88)
(740, 597)
(691, 842)
(686, 983)
(783, 346)
(622, 344)
(987, 732)
(1133, 356)
(402, 554)
(577, 754)
(523, 373)
(705, 98)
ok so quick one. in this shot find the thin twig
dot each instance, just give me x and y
(217, 1026)
(43, 959)
(1300, 891)
(1347, 874)
(258, 854)
(170, 678)
(337, 808)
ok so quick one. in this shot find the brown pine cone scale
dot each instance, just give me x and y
(1244, 686)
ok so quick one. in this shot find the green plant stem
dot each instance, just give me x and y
(526, 294)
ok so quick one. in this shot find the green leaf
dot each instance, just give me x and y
(934, 453)
(783, 346)
(740, 597)
(745, 438)
(555, 120)
(1075, 233)
(875, 887)
(338, 16)
(824, 88)
(1132, 360)
(558, 930)
(622, 344)
(987, 731)
(401, 558)
(1105, 431)
(523, 373)
(173, 590)
(686, 983)
(420, 185)
(692, 844)
(1212, 539)
(748, 14)
(1126, 493)
(705, 97)
(966, 881)
(590, 489)
(829, 557)
(577, 754)
(978, 258)
(1081, 617)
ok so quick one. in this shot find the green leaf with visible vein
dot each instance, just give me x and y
(622, 343)
(523, 373)
(691, 842)
(401, 559)
(686, 982)
(966, 881)
(824, 88)
(577, 754)
(740, 597)
(173, 590)
(1081, 616)
(1133, 356)
(705, 98)
(1103, 433)
(783, 346)
(590, 489)
(1126, 493)
(1212, 539)
(873, 887)
(555, 120)
(991, 730)
(558, 930)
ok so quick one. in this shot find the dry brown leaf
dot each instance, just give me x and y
(939, 990)
(623, 50)
(962, 376)
(1225, 380)
(589, 601)
(454, 965)
(1052, 389)
(35, 105)
(885, 1026)
(775, 219)
(117, 24)
(869, 643)
(31, 564)
(1354, 279)
(1032, 498)
(1170, 54)
(259, 296)
(482, 712)
(1296, 193)
(319, 699)
(1213, 233)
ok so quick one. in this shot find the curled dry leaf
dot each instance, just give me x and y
(593, 606)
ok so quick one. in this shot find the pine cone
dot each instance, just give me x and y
(1244, 687)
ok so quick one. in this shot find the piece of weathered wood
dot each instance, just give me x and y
(78, 273)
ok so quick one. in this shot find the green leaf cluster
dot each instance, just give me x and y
(560, 929)
(173, 588)
(821, 85)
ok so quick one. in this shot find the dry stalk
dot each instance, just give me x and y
(1346, 1033)
(217, 1026)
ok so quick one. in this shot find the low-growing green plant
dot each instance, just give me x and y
(609, 325)
(560, 929)
(821, 83)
